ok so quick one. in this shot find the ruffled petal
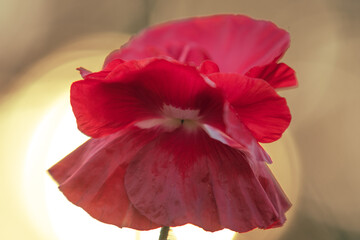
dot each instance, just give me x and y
(278, 75)
(187, 177)
(274, 192)
(248, 194)
(256, 105)
(92, 177)
(236, 43)
(167, 184)
(133, 92)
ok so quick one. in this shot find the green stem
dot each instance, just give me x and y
(164, 233)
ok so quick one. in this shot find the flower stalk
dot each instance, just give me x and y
(164, 233)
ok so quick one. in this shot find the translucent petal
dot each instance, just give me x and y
(92, 177)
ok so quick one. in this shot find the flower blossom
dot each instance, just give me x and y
(175, 140)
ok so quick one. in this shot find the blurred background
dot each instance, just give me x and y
(42, 42)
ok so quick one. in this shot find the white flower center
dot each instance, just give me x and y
(173, 118)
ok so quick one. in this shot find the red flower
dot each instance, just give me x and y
(175, 144)
(235, 43)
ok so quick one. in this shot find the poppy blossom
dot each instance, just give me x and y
(236, 43)
(174, 143)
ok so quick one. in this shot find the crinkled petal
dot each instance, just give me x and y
(256, 105)
(92, 177)
(187, 177)
(278, 75)
(167, 184)
(274, 192)
(236, 43)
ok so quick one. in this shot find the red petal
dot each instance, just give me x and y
(133, 92)
(103, 108)
(236, 43)
(256, 104)
(120, 71)
(243, 136)
(92, 177)
(102, 74)
(234, 134)
(277, 75)
(186, 177)
(116, 70)
(179, 85)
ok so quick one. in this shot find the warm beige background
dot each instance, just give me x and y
(326, 114)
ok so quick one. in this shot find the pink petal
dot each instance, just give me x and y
(92, 177)
(248, 194)
(274, 192)
(187, 53)
(278, 75)
(256, 105)
(187, 177)
(236, 43)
